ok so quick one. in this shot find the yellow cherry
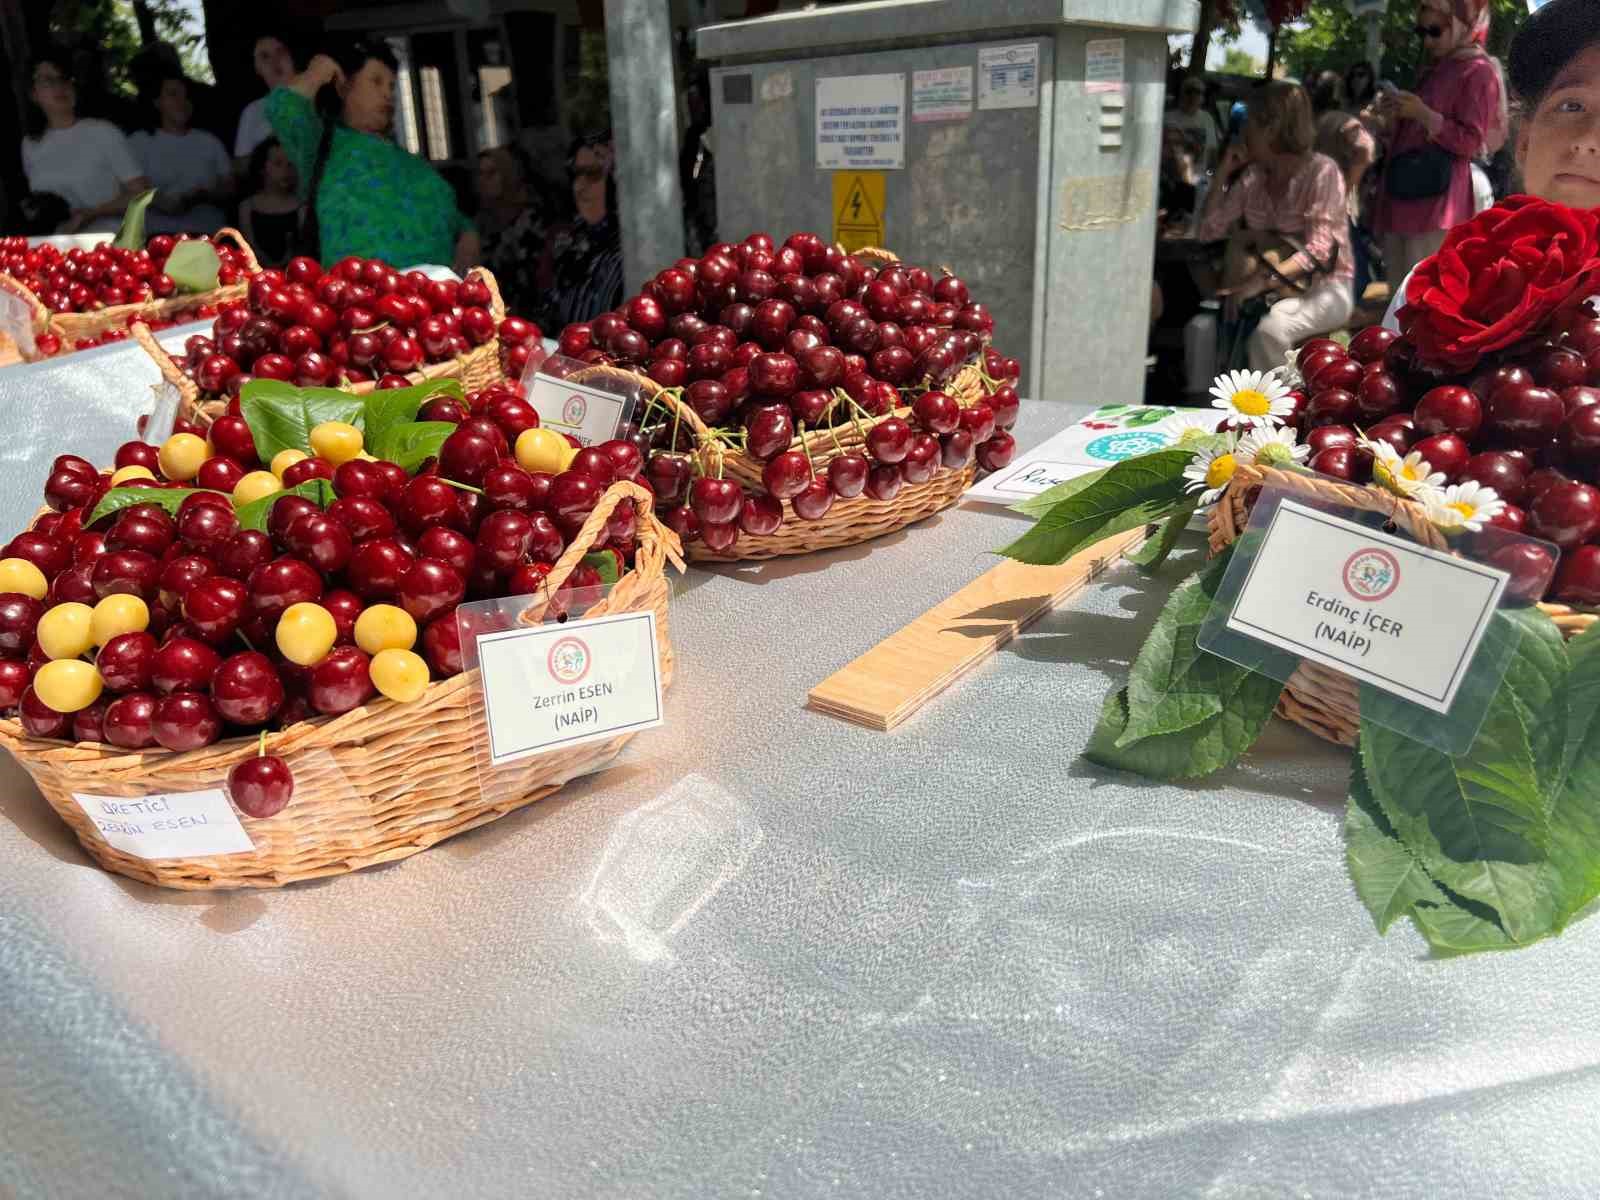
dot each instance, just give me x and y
(66, 631)
(284, 459)
(306, 632)
(399, 674)
(542, 450)
(336, 441)
(181, 455)
(125, 474)
(385, 627)
(20, 575)
(67, 685)
(117, 615)
(256, 485)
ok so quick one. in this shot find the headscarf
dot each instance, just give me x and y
(1475, 14)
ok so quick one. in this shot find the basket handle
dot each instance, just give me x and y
(497, 305)
(188, 390)
(657, 543)
(36, 308)
(1407, 514)
(887, 257)
(251, 263)
(652, 391)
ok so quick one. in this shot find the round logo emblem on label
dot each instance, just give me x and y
(1115, 447)
(1371, 574)
(569, 660)
(575, 409)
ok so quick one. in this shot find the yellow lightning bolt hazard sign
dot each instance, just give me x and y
(858, 209)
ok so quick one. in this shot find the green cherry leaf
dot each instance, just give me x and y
(282, 416)
(1132, 493)
(194, 266)
(254, 515)
(130, 234)
(386, 409)
(119, 498)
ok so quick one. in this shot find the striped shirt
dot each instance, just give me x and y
(1311, 210)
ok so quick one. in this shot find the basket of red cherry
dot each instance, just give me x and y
(1514, 443)
(799, 398)
(82, 297)
(292, 639)
(359, 325)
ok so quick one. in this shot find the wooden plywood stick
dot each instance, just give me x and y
(908, 668)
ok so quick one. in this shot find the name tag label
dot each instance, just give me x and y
(168, 824)
(592, 411)
(1405, 619)
(555, 686)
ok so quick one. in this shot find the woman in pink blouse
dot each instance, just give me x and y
(1458, 113)
(1277, 183)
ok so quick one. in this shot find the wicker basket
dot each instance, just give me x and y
(847, 522)
(476, 369)
(376, 784)
(73, 328)
(1317, 698)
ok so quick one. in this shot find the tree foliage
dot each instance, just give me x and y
(1239, 61)
(117, 30)
(1329, 36)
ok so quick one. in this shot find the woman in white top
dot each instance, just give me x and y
(275, 67)
(189, 167)
(85, 162)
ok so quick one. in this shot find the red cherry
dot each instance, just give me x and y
(441, 644)
(376, 568)
(185, 721)
(261, 787)
(1507, 476)
(1449, 409)
(276, 585)
(716, 501)
(40, 721)
(127, 721)
(1567, 514)
(246, 689)
(429, 588)
(1372, 343)
(341, 681)
(127, 661)
(216, 607)
(814, 500)
(1523, 414)
(1578, 577)
(997, 452)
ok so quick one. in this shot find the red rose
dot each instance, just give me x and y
(1498, 279)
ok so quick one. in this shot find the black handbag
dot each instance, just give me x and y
(1420, 174)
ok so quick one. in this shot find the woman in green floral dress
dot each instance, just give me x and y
(366, 195)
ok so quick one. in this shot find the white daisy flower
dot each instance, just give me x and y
(1465, 506)
(1271, 448)
(1252, 397)
(1210, 471)
(1189, 427)
(1410, 476)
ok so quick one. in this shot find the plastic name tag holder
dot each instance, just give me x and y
(579, 399)
(16, 322)
(1422, 630)
(561, 688)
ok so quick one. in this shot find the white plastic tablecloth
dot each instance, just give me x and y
(772, 954)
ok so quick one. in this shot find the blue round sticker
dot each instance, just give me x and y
(1115, 447)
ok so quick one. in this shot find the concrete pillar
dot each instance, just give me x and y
(644, 121)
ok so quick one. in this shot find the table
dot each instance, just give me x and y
(772, 954)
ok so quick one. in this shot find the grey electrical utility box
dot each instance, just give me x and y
(1015, 141)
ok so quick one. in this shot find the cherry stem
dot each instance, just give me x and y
(261, 746)
(465, 487)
